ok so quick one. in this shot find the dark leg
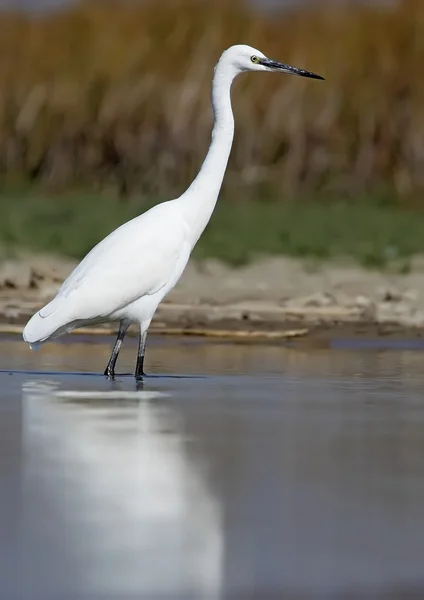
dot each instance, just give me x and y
(139, 372)
(110, 369)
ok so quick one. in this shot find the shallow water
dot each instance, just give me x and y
(247, 471)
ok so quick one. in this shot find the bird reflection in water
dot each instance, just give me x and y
(131, 513)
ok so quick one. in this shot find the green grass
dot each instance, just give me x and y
(71, 224)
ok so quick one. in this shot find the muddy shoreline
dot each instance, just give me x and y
(272, 299)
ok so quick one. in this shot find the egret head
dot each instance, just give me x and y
(245, 58)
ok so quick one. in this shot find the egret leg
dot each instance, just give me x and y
(110, 369)
(139, 371)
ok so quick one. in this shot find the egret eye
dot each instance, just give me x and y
(254, 59)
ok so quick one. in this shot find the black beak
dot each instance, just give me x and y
(276, 66)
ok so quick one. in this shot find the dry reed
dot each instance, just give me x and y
(119, 93)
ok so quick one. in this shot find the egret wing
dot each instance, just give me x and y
(137, 259)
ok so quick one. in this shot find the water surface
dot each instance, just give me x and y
(238, 471)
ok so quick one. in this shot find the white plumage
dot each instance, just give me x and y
(128, 266)
(126, 276)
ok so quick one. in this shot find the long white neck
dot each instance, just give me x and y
(200, 198)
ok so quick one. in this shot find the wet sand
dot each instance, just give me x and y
(271, 294)
(237, 471)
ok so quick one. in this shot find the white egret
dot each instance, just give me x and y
(127, 275)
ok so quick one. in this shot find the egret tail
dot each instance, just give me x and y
(47, 323)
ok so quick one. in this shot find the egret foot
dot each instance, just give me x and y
(139, 371)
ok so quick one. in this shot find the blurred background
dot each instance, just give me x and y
(105, 110)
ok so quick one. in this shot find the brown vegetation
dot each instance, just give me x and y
(114, 92)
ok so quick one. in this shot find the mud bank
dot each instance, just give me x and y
(271, 295)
